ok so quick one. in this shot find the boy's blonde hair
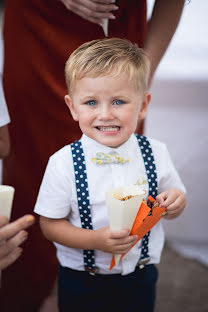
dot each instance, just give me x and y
(104, 57)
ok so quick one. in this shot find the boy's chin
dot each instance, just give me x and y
(111, 142)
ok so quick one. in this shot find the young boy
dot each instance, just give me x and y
(107, 94)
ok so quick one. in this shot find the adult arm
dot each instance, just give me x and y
(161, 28)
(12, 235)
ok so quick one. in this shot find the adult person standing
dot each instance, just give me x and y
(38, 36)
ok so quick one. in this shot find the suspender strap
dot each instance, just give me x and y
(150, 167)
(83, 199)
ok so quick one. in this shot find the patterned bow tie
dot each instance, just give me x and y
(109, 158)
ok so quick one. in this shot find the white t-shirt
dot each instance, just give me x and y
(57, 196)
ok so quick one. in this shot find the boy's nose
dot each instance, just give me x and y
(105, 113)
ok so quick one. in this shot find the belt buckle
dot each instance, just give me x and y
(92, 271)
(141, 263)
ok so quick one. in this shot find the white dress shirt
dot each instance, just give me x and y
(57, 196)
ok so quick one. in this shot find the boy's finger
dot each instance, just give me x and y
(161, 198)
(126, 242)
(122, 248)
(176, 204)
(120, 234)
(171, 198)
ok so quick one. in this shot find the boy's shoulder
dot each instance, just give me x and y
(62, 158)
(159, 149)
(62, 152)
(61, 163)
(155, 144)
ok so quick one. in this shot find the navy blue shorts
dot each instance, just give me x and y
(110, 293)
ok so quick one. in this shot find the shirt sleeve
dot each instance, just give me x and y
(54, 196)
(168, 176)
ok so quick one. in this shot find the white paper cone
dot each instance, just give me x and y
(123, 213)
(117, 258)
(105, 26)
(6, 200)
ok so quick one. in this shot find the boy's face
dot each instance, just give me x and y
(107, 108)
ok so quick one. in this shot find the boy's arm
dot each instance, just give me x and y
(63, 232)
(4, 141)
(161, 28)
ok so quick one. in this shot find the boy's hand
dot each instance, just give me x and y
(115, 242)
(174, 200)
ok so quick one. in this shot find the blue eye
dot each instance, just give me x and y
(118, 102)
(91, 103)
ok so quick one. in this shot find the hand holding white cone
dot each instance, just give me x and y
(122, 213)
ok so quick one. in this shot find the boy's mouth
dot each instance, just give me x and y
(108, 128)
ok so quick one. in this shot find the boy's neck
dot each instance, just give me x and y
(103, 145)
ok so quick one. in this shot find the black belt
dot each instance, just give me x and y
(95, 272)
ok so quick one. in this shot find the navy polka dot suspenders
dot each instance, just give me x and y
(84, 201)
(151, 172)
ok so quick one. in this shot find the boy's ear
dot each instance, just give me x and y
(70, 105)
(144, 105)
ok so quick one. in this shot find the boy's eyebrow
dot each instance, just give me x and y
(119, 96)
(111, 97)
(88, 97)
